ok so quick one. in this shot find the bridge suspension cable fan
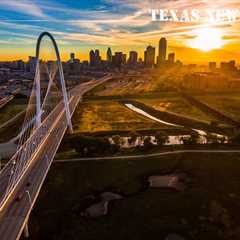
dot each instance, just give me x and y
(49, 93)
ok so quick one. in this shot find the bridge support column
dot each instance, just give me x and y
(38, 95)
(26, 231)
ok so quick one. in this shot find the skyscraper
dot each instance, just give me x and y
(149, 56)
(162, 51)
(228, 66)
(171, 58)
(72, 57)
(124, 59)
(133, 56)
(109, 55)
(118, 59)
(92, 58)
(97, 57)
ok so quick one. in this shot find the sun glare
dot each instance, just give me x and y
(207, 39)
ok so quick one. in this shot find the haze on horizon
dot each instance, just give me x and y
(123, 25)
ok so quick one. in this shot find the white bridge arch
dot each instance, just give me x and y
(61, 77)
(47, 119)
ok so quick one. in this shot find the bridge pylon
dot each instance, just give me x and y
(61, 78)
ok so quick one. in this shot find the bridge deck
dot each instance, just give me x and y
(16, 211)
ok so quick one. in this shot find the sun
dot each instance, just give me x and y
(207, 39)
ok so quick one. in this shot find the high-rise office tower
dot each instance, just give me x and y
(72, 57)
(171, 58)
(92, 58)
(149, 56)
(118, 59)
(133, 56)
(97, 57)
(124, 59)
(162, 50)
(109, 55)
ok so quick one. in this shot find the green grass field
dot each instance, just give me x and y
(207, 209)
(228, 103)
(176, 104)
(12, 109)
(8, 112)
(109, 116)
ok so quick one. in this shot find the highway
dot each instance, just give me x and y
(15, 210)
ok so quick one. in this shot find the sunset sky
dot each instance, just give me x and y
(124, 25)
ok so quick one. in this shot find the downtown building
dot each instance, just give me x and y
(32, 63)
(119, 59)
(133, 58)
(94, 58)
(171, 58)
(149, 56)
(162, 51)
(109, 55)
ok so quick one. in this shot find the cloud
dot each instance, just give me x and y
(114, 23)
(23, 6)
(20, 26)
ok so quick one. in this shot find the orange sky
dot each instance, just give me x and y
(124, 26)
(185, 54)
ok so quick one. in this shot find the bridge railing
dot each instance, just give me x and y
(21, 160)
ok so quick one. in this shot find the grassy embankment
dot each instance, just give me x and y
(8, 112)
(109, 116)
(228, 103)
(12, 109)
(207, 209)
(96, 115)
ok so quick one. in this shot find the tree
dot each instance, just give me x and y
(212, 138)
(190, 140)
(161, 138)
(235, 139)
(147, 143)
(116, 139)
(90, 146)
(222, 139)
(133, 137)
(214, 124)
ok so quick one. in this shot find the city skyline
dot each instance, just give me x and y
(153, 56)
(162, 59)
(122, 25)
(163, 129)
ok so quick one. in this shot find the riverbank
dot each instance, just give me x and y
(176, 119)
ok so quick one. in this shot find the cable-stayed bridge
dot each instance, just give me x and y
(48, 116)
